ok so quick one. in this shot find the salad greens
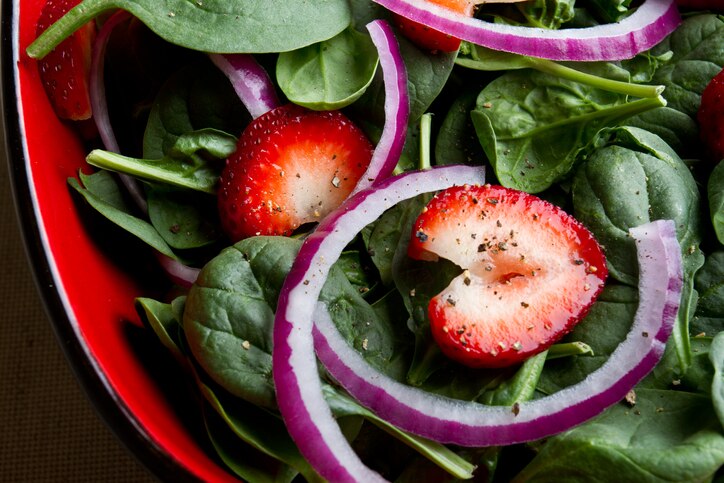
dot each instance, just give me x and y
(615, 144)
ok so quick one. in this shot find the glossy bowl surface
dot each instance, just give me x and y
(88, 279)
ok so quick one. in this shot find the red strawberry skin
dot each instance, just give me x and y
(65, 71)
(428, 38)
(292, 166)
(711, 117)
(531, 272)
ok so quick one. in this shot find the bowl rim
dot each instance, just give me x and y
(107, 403)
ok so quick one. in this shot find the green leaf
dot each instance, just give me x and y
(331, 74)
(716, 356)
(666, 436)
(532, 126)
(195, 98)
(219, 26)
(186, 219)
(715, 189)
(108, 204)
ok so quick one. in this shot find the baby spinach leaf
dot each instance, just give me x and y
(609, 11)
(427, 74)
(258, 428)
(520, 387)
(186, 219)
(635, 179)
(456, 140)
(331, 74)
(709, 282)
(343, 405)
(604, 328)
(164, 320)
(532, 126)
(716, 356)
(548, 14)
(697, 58)
(196, 97)
(229, 316)
(666, 436)
(103, 194)
(222, 26)
(715, 190)
(189, 163)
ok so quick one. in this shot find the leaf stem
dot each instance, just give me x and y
(626, 88)
(425, 135)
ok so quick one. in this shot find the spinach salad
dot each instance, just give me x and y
(613, 143)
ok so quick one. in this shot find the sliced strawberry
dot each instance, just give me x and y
(65, 71)
(428, 38)
(711, 117)
(292, 166)
(531, 272)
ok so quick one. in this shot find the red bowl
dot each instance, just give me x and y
(88, 286)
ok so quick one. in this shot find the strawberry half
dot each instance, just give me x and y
(65, 71)
(711, 117)
(531, 272)
(292, 166)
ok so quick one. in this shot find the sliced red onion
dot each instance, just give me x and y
(397, 106)
(99, 104)
(180, 274)
(250, 81)
(472, 424)
(299, 390)
(647, 26)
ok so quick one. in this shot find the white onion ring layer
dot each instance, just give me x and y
(299, 390)
(647, 26)
(397, 106)
(472, 424)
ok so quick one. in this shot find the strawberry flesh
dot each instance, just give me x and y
(711, 117)
(530, 273)
(292, 166)
(65, 71)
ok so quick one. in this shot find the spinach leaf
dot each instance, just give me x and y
(604, 328)
(186, 219)
(532, 126)
(229, 316)
(709, 282)
(716, 355)
(666, 436)
(697, 58)
(520, 387)
(548, 14)
(165, 321)
(102, 193)
(195, 98)
(456, 140)
(715, 190)
(192, 162)
(222, 26)
(259, 429)
(609, 11)
(427, 74)
(331, 74)
(343, 405)
(635, 179)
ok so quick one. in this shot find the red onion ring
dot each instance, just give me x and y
(647, 26)
(472, 424)
(299, 390)
(250, 81)
(397, 106)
